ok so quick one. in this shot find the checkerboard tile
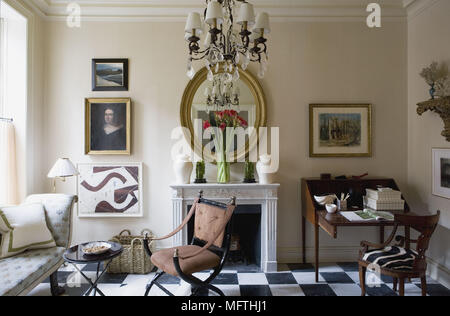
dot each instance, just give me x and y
(286, 290)
(341, 279)
(252, 279)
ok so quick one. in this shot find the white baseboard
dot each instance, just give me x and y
(326, 254)
(438, 272)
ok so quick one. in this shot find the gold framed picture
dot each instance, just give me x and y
(340, 130)
(108, 126)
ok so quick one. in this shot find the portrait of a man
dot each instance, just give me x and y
(108, 127)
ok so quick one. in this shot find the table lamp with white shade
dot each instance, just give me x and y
(62, 169)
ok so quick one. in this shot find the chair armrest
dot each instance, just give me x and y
(185, 221)
(366, 245)
(401, 240)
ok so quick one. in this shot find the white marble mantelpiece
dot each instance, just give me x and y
(265, 195)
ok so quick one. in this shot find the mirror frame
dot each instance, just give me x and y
(188, 97)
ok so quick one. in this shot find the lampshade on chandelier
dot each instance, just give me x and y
(224, 45)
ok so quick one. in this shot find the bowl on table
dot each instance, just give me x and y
(331, 208)
(95, 248)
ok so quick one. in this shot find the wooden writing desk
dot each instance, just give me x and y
(319, 217)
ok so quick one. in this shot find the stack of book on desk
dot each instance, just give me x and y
(384, 199)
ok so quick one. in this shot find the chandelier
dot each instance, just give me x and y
(224, 93)
(224, 45)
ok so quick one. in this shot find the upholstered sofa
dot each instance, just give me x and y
(23, 272)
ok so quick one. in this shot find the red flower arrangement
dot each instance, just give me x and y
(227, 118)
(227, 121)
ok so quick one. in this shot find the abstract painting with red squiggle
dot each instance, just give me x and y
(109, 190)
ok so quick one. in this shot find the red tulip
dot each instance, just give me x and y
(242, 121)
(223, 126)
(206, 125)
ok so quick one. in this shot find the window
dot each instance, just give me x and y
(2, 64)
(13, 103)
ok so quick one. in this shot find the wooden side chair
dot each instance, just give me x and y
(399, 261)
(208, 250)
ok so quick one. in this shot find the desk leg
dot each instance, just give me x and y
(316, 246)
(381, 234)
(304, 238)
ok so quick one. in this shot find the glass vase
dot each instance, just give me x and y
(223, 170)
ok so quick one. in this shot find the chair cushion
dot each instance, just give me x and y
(394, 258)
(163, 259)
(19, 272)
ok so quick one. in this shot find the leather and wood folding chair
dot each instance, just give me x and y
(399, 261)
(208, 250)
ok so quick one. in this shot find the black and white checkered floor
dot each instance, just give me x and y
(341, 279)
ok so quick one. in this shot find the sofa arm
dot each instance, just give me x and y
(58, 209)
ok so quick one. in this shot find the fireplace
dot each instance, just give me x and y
(256, 209)
(246, 235)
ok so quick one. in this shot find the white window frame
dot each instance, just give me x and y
(3, 64)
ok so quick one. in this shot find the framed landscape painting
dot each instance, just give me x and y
(441, 172)
(108, 126)
(340, 130)
(110, 190)
(110, 75)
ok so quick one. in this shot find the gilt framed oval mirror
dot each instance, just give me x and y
(195, 110)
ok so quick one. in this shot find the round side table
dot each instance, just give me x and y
(75, 256)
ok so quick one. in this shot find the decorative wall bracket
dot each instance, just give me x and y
(440, 106)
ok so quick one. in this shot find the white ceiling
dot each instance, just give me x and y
(280, 10)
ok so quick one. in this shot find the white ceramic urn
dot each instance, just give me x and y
(266, 176)
(183, 169)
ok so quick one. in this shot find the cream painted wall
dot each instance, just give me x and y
(427, 41)
(334, 62)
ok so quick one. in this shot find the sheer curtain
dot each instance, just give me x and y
(8, 169)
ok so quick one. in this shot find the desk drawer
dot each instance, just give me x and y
(330, 229)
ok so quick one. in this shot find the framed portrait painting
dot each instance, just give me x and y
(441, 172)
(108, 126)
(110, 190)
(340, 130)
(110, 75)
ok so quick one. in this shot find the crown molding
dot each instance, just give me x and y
(416, 7)
(177, 10)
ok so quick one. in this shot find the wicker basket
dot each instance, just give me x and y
(134, 259)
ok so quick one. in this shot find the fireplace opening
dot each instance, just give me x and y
(245, 248)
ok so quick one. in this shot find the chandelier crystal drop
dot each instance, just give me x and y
(223, 42)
